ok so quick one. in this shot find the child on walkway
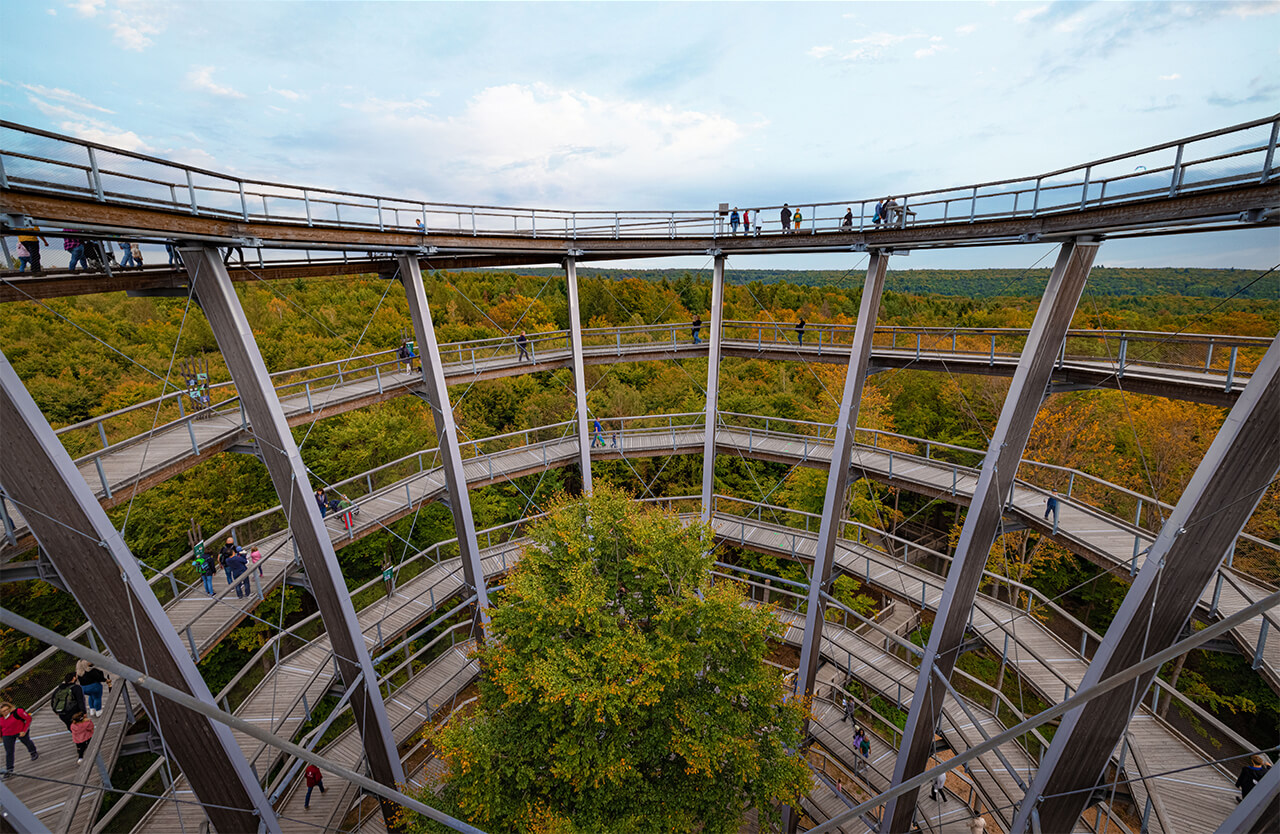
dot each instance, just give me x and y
(14, 725)
(81, 733)
(255, 556)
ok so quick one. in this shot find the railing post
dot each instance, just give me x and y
(310, 406)
(1084, 190)
(1217, 595)
(1231, 367)
(102, 433)
(1271, 150)
(191, 192)
(1175, 176)
(1262, 642)
(95, 177)
(1124, 350)
(102, 476)
(992, 361)
(1035, 203)
(973, 205)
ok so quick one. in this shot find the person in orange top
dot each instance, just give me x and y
(30, 238)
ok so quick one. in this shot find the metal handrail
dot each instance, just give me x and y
(200, 191)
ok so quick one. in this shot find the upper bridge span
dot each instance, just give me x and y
(1216, 180)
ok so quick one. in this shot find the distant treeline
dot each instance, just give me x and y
(990, 283)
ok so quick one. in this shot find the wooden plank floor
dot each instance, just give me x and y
(277, 702)
(50, 784)
(1040, 657)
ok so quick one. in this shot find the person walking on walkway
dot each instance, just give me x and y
(598, 438)
(81, 733)
(938, 786)
(91, 679)
(1051, 506)
(1252, 774)
(734, 219)
(786, 219)
(75, 246)
(126, 259)
(255, 557)
(15, 724)
(759, 222)
(237, 565)
(228, 550)
(68, 699)
(522, 342)
(315, 779)
(846, 225)
(207, 569)
(29, 239)
(322, 501)
(696, 328)
(746, 223)
(796, 220)
(800, 331)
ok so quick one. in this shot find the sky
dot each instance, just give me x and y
(624, 106)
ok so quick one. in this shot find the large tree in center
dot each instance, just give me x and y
(621, 690)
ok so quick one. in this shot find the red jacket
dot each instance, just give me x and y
(15, 723)
(313, 776)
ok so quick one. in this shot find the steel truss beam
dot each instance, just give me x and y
(833, 505)
(97, 567)
(579, 378)
(1213, 509)
(713, 386)
(981, 524)
(437, 391)
(217, 296)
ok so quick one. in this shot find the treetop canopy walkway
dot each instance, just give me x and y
(1220, 179)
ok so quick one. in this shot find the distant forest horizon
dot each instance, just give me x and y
(1192, 282)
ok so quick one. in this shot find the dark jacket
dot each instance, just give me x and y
(1250, 776)
(237, 563)
(77, 699)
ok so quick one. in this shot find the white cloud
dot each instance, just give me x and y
(134, 21)
(1254, 7)
(87, 8)
(872, 47)
(931, 49)
(1027, 15)
(51, 12)
(380, 105)
(202, 79)
(289, 94)
(1174, 77)
(966, 29)
(124, 139)
(1070, 24)
(820, 51)
(65, 96)
(883, 39)
(534, 140)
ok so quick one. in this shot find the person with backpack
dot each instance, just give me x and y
(228, 550)
(237, 565)
(91, 679)
(315, 779)
(68, 699)
(207, 569)
(865, 749)
(81, 733)
(15, 724)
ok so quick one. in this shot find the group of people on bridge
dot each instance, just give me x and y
(85, 255)
(76, 701)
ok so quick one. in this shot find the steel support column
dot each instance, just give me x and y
(833, 504)
(713, 386)
(981, 525)
(437, 390)
(39, 476)
(288, 474)
(1219, 499)
(579, 378)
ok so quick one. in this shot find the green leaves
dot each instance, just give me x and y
(621, 690)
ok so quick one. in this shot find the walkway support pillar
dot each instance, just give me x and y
(981, 524)
(38, 475)
(280, 454)
(579, 378)
(437, 391)
(1221, 496)
(833, 504)
(713, 385)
